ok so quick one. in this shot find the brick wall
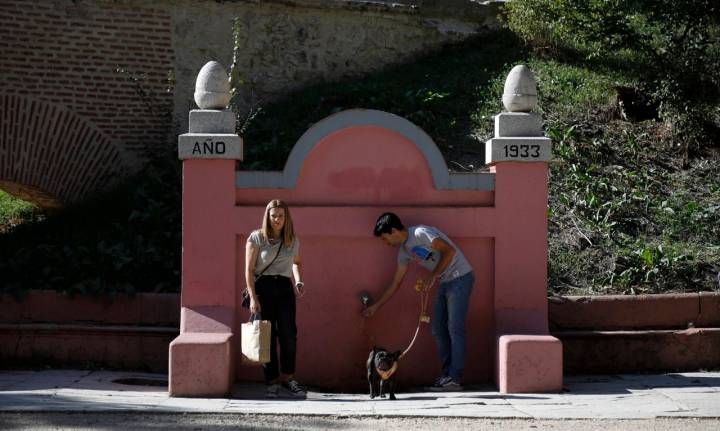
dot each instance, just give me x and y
(104, 63)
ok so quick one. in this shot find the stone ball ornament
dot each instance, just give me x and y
(212, 88)
(520, 92)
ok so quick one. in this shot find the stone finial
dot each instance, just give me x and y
(520, 93)
(212, 89)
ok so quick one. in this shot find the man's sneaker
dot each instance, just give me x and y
(272, 391)
(446, 384)
(294, 388)
(438, 382)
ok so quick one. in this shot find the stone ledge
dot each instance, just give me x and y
(90, 329)
(640, 351)
(151, 309)
(83, 346)
(618, 312)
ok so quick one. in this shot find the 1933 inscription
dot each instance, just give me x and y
(522, 150)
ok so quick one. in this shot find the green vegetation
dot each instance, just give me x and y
(125, 241)
(14, 211)
(634, 206)
(625, 217)
(670, 48)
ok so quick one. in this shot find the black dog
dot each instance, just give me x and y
(382, 366)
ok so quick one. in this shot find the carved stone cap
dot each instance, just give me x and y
(212, 88)
(520, 93)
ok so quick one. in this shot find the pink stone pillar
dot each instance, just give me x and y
(201, 357)
(527, 358)
(208, 252)
(521, 247)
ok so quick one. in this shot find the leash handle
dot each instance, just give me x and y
(424, 296)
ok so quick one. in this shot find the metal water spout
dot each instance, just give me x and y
(365, 299)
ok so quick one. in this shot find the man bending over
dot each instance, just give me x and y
(434, 251)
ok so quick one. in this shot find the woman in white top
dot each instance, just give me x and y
(272, 257)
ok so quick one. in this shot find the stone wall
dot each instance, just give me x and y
(286, 45)
(125, 69)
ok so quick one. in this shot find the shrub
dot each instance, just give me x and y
(672, 46)
(124, 241)
(14, 211)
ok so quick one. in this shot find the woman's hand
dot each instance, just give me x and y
(254, 304)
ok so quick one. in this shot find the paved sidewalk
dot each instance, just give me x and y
(630, 396)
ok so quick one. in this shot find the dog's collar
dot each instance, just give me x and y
(387, 374)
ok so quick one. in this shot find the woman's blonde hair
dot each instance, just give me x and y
(288, 233)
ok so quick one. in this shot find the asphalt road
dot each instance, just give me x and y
(46, 421)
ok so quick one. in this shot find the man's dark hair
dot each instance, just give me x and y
(386, 222)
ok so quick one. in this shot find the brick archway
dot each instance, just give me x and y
(50, 155)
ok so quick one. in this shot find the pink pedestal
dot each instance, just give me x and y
(200, 364)
(529, 363)
(201, 357)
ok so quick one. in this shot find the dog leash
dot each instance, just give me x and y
(424, 317)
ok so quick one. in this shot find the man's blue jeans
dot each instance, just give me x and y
(448, 323)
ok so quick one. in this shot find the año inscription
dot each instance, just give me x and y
(208, 147)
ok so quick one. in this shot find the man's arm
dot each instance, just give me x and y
(447, 252)
(389, 291)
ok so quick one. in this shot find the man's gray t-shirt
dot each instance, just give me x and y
(418, 247)
(283, 264)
